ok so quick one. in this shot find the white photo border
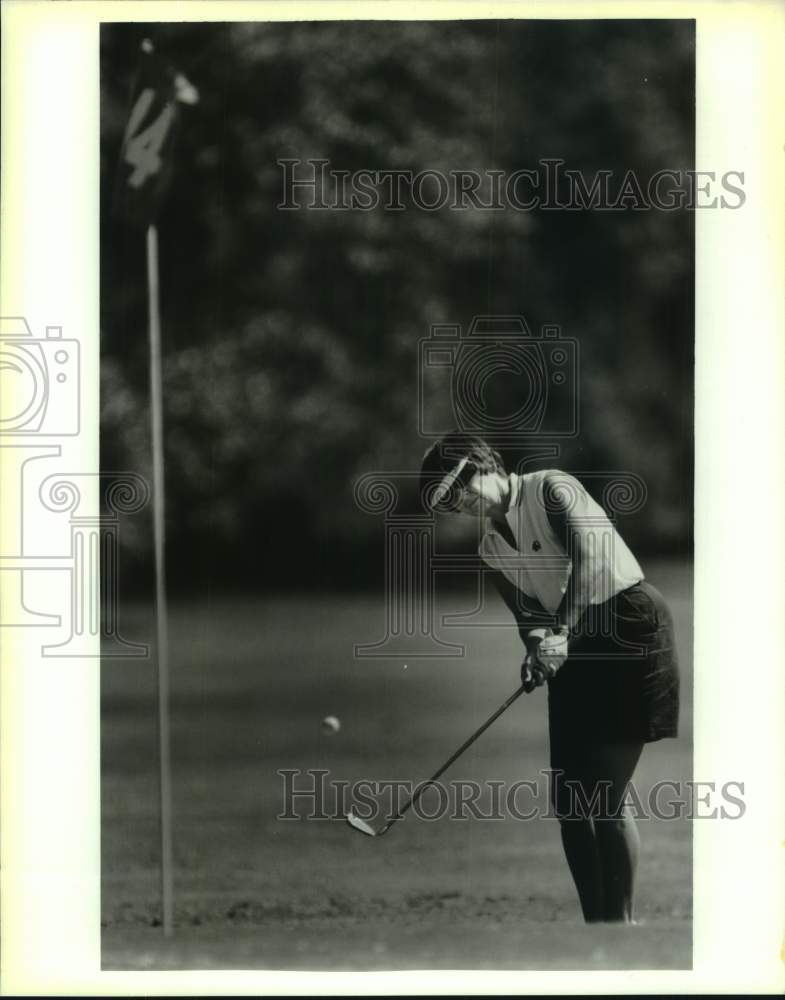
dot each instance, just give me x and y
(49, 708)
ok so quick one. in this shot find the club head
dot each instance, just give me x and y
(360, 824)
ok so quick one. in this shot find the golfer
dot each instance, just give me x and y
(595, 632)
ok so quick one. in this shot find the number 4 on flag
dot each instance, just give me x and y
(142, 150)
(148, 134)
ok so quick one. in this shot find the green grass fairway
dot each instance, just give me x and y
(251, 680)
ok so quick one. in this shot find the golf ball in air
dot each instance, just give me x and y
(330, 725)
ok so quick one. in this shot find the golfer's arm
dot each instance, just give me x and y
(577, 538)
(526, 616)
(581, 583)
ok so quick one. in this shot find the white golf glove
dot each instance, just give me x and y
(553, 651)
(548, 650)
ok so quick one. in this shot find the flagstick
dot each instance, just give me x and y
(156, 411)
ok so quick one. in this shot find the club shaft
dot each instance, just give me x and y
(464, 746)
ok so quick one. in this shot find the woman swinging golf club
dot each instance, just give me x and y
(594, 631)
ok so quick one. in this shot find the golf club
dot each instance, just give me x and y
(364, 827)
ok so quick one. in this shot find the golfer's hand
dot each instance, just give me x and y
(546, 652)
(530, 672)
(552, 651)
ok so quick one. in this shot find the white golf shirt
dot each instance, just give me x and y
(540, 566)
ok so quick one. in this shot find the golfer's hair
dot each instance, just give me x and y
(445, 454)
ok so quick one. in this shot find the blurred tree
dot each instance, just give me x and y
(291, 338)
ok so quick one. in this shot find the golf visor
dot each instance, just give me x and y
(447, 496)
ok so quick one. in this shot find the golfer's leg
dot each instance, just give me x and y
(580, 846)
(580, 849)
(616, 834)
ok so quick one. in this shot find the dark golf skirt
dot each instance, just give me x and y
(620, 683)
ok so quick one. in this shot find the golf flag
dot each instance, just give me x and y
(143, 175)
(145, 167)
